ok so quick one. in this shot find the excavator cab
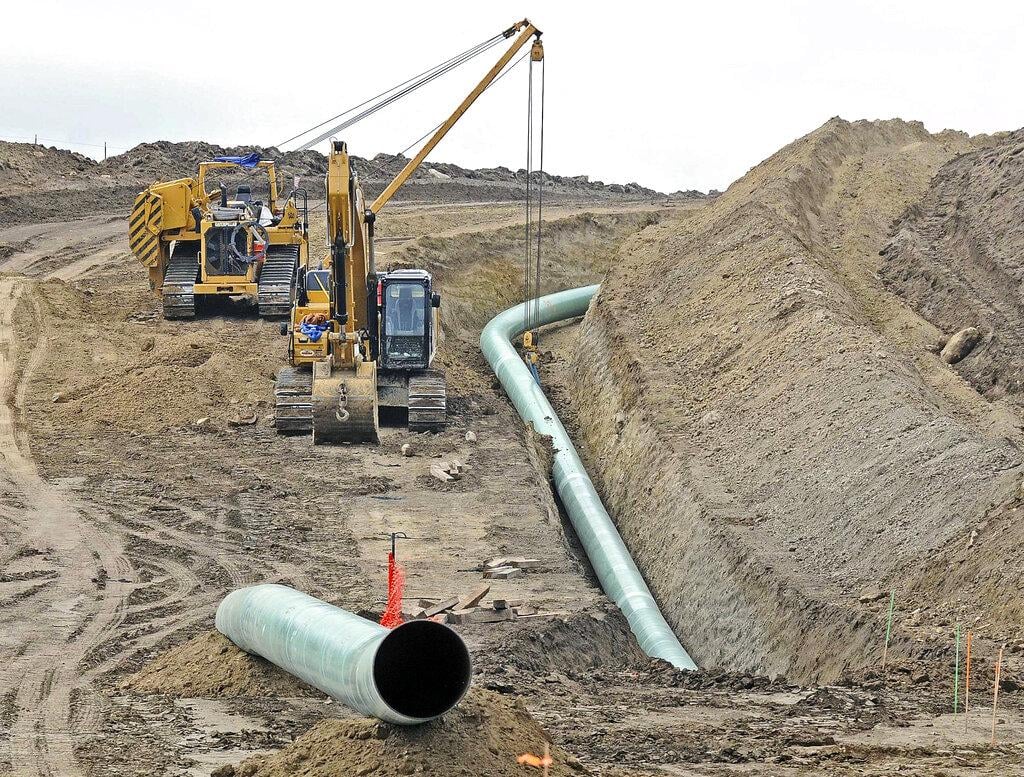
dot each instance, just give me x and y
(407, 316)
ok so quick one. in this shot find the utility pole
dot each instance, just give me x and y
(104, 151)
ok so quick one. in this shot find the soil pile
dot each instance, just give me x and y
(210, 666)
(958, 258)
(40, 182)
(28, 171)
(163, 160)
(147, 375)
(766, 423)
(27, 167)
(482, 737)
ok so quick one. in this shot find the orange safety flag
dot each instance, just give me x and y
(396, 583)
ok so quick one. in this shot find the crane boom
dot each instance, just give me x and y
(525, 29)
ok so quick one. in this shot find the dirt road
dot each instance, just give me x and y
(63, 580)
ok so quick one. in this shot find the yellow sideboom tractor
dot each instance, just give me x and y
(198, 243)
(361, 339)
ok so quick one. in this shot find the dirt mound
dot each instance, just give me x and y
(27, 167)
(30, 174)
(958, 258)
(210, 666)
(147, 375)
(40, 183)
(482, 737)
(163, 160)
(765, 423)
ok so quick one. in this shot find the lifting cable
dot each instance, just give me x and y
(394, 93)
(531, 285)
(436, 127)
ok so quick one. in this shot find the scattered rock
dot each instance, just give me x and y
(440, 473)
(244, 421)
(470, 436)
(960, 345)
(871, 596)
(407, 449)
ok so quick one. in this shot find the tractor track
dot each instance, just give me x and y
(68, 615)
(74, 563)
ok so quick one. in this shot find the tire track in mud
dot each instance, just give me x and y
(77, 623)
(49, 632)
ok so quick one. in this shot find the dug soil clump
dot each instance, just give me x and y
(765, 421)
(482, 737)
(210, 666)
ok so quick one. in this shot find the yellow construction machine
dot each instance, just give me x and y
(360, 339)
(198, 243)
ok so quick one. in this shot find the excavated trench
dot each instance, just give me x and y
(766, 423)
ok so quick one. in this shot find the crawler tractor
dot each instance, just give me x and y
(198, 243)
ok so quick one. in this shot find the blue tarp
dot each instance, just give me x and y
(249, 160)
(314, 331)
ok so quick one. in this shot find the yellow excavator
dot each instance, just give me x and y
(360, 339)
(198, 243)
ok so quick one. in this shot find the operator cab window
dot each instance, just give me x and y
(405, 324)
(406, 310)
(316, 280)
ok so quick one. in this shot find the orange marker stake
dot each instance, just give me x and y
(995, 695)
(967, 682)
(533, 760)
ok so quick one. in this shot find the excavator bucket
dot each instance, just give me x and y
(345, 404)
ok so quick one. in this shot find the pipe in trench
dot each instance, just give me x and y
(406, 675)
(619, 576)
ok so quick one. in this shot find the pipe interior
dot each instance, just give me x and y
(422, 669)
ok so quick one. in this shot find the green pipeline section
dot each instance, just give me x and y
(407, 675)
(619, 576)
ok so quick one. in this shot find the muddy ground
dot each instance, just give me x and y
(134, 495)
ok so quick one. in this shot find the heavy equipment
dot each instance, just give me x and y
(360, 339)
(198, 243)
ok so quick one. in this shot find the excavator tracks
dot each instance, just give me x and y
(277, 280)
(428, 402)
(293, 401)
(178, 290)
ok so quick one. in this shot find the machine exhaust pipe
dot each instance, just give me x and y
(407, 675)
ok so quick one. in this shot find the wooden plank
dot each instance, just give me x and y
(474, 598)
(440, 607)
(502, 573)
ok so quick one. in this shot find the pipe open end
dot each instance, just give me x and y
(422, 669)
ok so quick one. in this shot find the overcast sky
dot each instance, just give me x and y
(674, 95)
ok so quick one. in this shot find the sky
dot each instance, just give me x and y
(674, 95)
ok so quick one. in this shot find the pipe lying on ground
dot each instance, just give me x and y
(407, 675)
(619, 576)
